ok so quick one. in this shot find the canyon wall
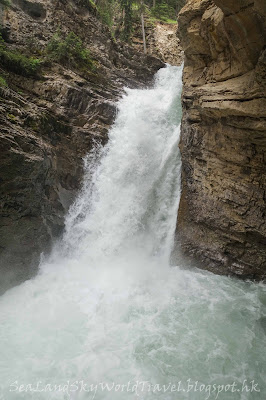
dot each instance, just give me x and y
(222, 219)
(50, 121)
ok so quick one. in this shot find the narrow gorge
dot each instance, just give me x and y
(132, 200)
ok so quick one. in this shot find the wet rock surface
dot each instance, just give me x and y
(222, 219)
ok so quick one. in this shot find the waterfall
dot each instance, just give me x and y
(107, 317)
(134, 189)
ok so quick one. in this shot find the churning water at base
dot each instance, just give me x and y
(107, 309)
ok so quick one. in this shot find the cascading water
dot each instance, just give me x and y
(107, 309)
(134, 191)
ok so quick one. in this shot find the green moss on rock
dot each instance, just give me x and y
(17, 62)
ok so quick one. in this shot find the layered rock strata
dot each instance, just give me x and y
(49, 123)
(222, 219)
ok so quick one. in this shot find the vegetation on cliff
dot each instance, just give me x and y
(123, 17)
(5, 2)
(69, 51)
(2, 82)
(17, 62)
(121, 14)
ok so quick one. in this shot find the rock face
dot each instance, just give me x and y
(48, 124)
(167, 44)
(222, 219)
(161, 40)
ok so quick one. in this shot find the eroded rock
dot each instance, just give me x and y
(221, 219)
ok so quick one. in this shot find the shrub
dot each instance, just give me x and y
(164, 12)
(2, 82)
(69, 51)
(18, 62)
(5, 3)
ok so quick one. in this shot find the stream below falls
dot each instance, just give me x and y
(108, 317)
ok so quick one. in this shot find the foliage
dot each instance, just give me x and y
(86, 3)
(126, 6)
(17, 62)
(69, 51)
(2, 82)
(121, 13)
(5, 3)
(163, 11)
(105, 11)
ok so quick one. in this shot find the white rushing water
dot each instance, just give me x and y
(108, 308)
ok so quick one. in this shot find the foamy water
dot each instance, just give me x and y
(107, 307)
